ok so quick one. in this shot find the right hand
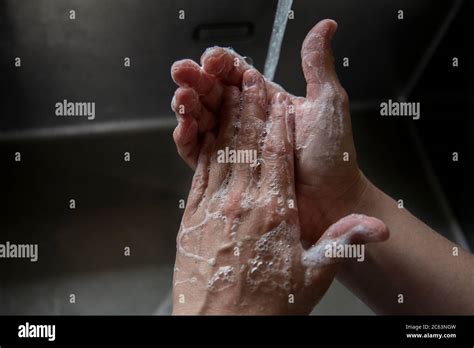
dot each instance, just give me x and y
(252, 209)
(327, 186)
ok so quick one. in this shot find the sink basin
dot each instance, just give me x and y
(133, 206)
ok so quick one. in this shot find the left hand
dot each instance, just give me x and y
(238, 248)
(329, 183)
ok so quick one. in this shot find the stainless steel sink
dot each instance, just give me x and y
(118, 204)
(135, 204)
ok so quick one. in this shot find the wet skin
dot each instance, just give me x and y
(328, 180)
(239, 248)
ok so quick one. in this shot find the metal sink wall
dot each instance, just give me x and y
(83, 59)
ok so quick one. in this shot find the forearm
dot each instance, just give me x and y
(416, 262)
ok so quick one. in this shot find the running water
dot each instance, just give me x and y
(278, 31)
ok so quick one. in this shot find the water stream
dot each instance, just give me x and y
(278, 32)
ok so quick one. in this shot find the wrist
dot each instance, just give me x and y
(368, 198)
(321, 207)
(358, 194)
(363, 197)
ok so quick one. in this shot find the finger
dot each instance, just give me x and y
(317, 58)
(201, 175)
(226, 137)
(230, 113)
(185, 137)
(277, 153)
(354, 229)
(229, 67)
(254, 104)
(187, 73)
(186, 103)
(322, 260)
(225, 64)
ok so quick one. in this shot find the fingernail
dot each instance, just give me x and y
(174, 67)
(212, 62)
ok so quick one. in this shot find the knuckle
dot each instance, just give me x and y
(177, 136)
(173, 102)
(231, 97)
(248, 132)
(197, 186)
(232, 204)
(276, 211)
(275, 149)
(342, 95)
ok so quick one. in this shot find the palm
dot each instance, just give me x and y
(326, 165)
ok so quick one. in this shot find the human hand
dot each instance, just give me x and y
(239, 249)
(328, 180)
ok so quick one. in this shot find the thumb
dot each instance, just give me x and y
(340, 242)
(320, 266)
(316, 56)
